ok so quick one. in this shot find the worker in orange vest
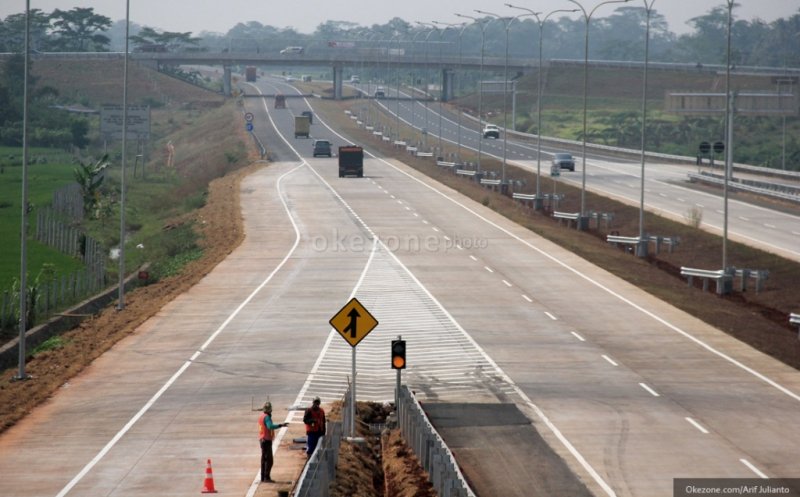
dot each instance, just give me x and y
(266, 434)
(314, 419)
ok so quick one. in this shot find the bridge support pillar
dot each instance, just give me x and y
(337, 82)
(448, 86)
(226, 80)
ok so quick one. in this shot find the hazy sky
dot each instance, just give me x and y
(306, 15)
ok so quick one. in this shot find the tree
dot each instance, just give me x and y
(89, 177)
(169, 40)
(78, 30)
(12, 32)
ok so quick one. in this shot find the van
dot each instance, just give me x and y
(293, 51)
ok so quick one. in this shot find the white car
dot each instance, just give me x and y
(293, 51)
(491, 131)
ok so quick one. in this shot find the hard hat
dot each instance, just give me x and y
(268, 407)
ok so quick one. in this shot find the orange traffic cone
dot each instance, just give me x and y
(208, 484)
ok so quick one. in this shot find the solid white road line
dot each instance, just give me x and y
(526, 298)
(551, 316)
(610, 360)
(575, 333)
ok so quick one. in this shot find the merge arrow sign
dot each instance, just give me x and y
(353, 322)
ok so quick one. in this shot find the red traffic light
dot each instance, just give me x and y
(398, 354)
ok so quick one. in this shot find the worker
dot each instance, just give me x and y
(314, 419)
(266, 434)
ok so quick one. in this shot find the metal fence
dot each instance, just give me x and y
(320, 470)
(433, 454)
(53, 295)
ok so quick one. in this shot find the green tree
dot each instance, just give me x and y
(89, 177)
(79, 29)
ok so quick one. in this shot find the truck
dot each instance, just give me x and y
(351, 161)
(302, 126)
(280, 101)
(250, 74)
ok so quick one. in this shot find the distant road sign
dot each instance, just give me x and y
(249, 117)
(719, 147)
(249, 126)
(138, 121)
(353, 322)
(705, 147)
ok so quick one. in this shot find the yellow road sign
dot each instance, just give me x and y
(353, 322)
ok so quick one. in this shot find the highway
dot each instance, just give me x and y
(628, 390)
(666, 190)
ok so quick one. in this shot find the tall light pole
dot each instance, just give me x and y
(507, 21)
(414, 80)
(729, 102)
(587, 17)
(463, 26)
(23, 239)
(427, 78)
(442, 76)
(399, 50)
(121, 297)
(540, 20)
(648, 6)
(482, 23)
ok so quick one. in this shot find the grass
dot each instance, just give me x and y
(48, 170)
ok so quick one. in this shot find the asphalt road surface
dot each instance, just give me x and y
(628, 390)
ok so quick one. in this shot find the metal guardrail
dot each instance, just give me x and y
(466, 172)
(739, 186)
(722, 279)
(760, 275)
(493, 182)
(794, 319)
(446, 164)
(429, 447)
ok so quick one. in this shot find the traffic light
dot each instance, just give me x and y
(398, 354)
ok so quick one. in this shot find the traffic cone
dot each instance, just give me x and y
(208, 484)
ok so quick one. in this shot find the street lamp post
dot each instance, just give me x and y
(414, 81)
(463, 26)
(482, 24)
(427, 80)
(121, 299)
(648, 5)
(587, 17)
(23, 241)
(729, 102)
(507, 21)
(537, 203)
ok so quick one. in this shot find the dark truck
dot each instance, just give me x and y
(250, 73)
(351, 161)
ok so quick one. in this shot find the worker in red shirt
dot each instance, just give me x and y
(314, 419)
(266, 434)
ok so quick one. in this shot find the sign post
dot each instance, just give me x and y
(353, 322)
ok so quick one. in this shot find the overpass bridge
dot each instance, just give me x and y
(339, 59)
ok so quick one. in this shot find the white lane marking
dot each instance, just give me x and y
(459, 247)
(771, 226)
(473, 258)
(575, 333)
(796, 233)
(425, 222)
(550, 425)
(488, 269)
(97, 458)
(446, 238)
(744, 218)
(393, 196)
(507, 283)
(753, 468)
(551, 316)
(416, 215)
(435, 229)
(526, 298)
(585, 277)
(408, 208)
(719, 211)
(652, 392)
(400, 202)
(681, 200)
(610, 360)
(700, 205)
(697, 425)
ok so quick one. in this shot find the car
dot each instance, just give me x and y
(309, 115)
(293, 51)
(355, 79)
(491, 131)
(322, 147)
(564, 161)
